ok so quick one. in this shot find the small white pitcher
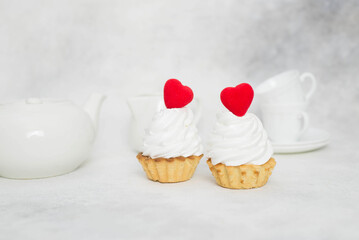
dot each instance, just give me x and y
(143, 107)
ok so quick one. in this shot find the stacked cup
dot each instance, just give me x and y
(283, 104)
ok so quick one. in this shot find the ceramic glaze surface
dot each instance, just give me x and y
(43, 138)
(287, 87)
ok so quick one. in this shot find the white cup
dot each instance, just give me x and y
(286, 88)
(285, 123)
(143, 107)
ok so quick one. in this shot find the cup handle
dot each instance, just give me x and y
(305, 123)
(197, 109)
(312, 79)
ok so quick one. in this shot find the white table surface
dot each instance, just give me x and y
(309, 196)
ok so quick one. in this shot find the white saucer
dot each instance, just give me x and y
(312, 139)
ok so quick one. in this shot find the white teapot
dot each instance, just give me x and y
(43, 138)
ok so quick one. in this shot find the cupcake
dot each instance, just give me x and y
(240, 153)
(172, 146)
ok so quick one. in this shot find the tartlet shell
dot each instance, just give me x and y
(243, 176)
(169, 170)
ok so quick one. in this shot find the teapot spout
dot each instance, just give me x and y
(93, 107)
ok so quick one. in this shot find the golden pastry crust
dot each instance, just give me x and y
(243, 176)
(169, 170)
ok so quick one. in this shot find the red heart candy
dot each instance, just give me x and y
(237, 99)
(176, 95)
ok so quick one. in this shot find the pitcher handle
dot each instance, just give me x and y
(197, 109)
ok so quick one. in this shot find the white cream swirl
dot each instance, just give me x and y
(172, 133)
(239, 140)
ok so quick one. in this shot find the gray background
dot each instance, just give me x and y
(68, 49)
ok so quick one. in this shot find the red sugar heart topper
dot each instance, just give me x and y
(237, 99)
(176, 95)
